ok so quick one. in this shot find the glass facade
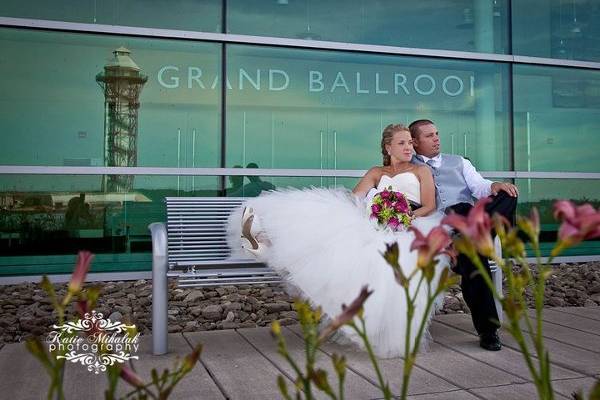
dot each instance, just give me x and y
(89, 97)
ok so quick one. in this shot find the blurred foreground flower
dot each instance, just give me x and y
(84, 259)
(348, 313)
(578, 223)
(428, 247)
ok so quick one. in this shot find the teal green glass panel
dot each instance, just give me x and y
(59, 106)
(466, 25)
(542, 193)
(326, 110)
(202, 15)
(45, 220)
(557, 29)
(556, 119)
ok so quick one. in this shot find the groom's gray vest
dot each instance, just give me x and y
(450, 185)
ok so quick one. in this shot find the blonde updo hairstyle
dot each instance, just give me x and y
(386, 139)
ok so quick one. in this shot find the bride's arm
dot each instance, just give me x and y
(427, 192)
(366, 183)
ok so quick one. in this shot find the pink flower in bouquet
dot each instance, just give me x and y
(387, 204)
(375, 208)
(384, 194)
(393, 223)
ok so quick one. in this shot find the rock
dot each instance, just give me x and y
(116, 316)
(190, 326)
(287, 321)
(125, 310)
(595, 288)
(212, 312)
(452, 303)
(232, 306)
(230, 325)
(194, 296)
(555, 302)
(197, 311)
(289, 314)
(589, 303)
(230, 316)
(277, 307)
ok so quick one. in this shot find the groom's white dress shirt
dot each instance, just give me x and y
(478, 185)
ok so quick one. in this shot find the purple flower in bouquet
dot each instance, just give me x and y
(375, 208)
(385, 194)
(393, 223)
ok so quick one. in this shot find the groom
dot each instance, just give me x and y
(457, 183)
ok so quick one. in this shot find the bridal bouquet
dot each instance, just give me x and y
(391, 209)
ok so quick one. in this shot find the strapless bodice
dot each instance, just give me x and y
(405, 182)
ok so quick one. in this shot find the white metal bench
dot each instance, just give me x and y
(192, 247)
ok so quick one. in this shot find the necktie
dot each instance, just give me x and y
(431, 163)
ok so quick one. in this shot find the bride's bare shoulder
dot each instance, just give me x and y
(422, 171)
(375, 172)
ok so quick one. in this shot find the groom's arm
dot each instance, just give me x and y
(481, 187)
(478, 185)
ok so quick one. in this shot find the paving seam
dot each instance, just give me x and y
(557, 363)
(421, 394)
(577, 315)
(415, 366)
(483, 362)
(208, 371)
(563, 342)
(516, 384)
(567, 326)
(264, 356)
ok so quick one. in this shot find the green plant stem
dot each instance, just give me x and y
(362, 333)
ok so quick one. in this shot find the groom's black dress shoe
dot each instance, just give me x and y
(490, 341)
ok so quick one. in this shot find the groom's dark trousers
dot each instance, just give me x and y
(478, 296)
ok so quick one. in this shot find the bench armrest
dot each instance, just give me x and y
(158, 231)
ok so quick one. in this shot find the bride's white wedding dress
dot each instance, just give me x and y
(323, 243)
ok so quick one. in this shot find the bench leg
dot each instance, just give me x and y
(497, 279)
(159, 289)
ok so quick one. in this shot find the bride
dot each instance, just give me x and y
(323, 243)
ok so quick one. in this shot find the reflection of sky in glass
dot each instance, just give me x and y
(54, 109)
(557, 119)
(193, 15)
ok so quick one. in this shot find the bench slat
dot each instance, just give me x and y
(197, 240)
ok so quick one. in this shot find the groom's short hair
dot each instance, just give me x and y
(415, 125)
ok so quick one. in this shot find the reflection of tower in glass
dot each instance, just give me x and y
(122, 83)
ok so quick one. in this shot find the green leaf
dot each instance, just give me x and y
(595, 392)
(319, 377)
(283, 387)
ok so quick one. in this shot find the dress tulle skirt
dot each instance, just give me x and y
(324, 245)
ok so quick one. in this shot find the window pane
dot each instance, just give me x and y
(557, 29)
(326, 110)
(73, 99)
(542, 193)
(45, 220)
(557, 119)
(467, 25)
(202, 15)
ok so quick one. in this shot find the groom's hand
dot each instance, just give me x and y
(507, 187)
